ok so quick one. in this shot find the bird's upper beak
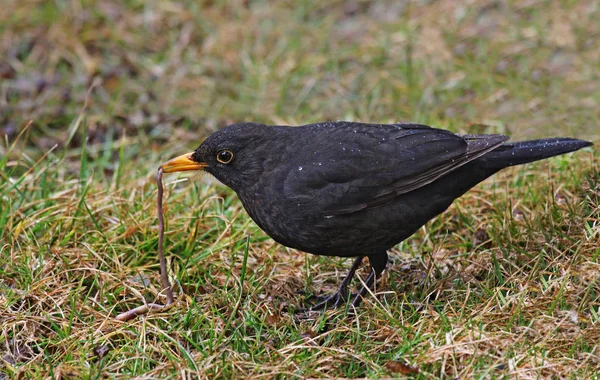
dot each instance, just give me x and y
(182, 163)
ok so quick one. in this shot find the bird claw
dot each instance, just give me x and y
(335, 300)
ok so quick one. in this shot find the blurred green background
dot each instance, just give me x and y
(529, 68)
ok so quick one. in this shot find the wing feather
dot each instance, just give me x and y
(359, 166)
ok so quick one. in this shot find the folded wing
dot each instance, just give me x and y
(359, 166)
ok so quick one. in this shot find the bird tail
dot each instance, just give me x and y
(517, 153)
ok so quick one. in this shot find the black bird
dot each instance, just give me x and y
(354, 189)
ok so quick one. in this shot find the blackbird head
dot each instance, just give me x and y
(236, 155)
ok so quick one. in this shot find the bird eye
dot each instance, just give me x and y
(225, 156)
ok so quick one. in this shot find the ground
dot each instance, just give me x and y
(95, 95)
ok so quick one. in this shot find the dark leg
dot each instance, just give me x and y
(339, 297)
(378, 263)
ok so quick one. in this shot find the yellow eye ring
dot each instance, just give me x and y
(225, 156)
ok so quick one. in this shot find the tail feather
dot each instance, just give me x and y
(523, 152)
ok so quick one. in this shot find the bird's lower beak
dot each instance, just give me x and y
(182, 163)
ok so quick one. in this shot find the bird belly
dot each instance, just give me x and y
(361, 233)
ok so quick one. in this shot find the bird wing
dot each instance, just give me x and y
(355, 166)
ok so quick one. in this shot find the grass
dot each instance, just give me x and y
(504, 284)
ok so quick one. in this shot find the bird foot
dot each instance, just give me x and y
(333, 301)
(337, 299)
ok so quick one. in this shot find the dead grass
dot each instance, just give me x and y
(505, 284)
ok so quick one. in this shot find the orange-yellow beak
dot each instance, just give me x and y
(182, 163)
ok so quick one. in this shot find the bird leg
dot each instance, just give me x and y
(364, 290)
(378, 264)
(340, 296)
